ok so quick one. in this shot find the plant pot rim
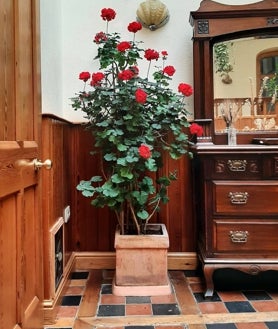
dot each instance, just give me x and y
(152, 241)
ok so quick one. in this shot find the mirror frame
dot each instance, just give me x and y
(214, 22)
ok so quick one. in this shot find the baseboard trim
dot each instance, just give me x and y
(50, 305)
(107, 260)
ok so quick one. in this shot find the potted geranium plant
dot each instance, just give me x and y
(136, 120)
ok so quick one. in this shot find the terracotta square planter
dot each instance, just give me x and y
(141, 264)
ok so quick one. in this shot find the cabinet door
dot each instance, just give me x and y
(20, 221)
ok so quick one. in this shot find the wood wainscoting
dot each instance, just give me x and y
(92, 229)
(107, 260)
(89, 233)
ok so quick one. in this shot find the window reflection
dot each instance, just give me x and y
(252, 96)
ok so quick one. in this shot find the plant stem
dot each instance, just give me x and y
(134, 218)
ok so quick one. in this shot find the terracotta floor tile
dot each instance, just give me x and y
(265, 306)
(112, 299)
(67, 311)
(163, 299)
(138, 309)
(194, 279)
(75, 290)
(197, 287)
(215, 307)
(109, 327)
(255, 325)
(81, 282)
(62, 323)
(231, 296)
(169, 327)
(274, 295)
(67, 314)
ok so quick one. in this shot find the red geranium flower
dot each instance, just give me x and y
(123, 46)
(100, 36)
(134, 69)
(169, 70)
(108, 14)
(185, 89)
(151, 54)
(85, 76)
(96, 78)
(126, 75)
(144, 151)
(164, 54)
(134, 27)
(196, 129)
(140, 96)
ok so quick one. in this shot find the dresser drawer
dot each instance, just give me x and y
(252, 197)
(235, 167)
(246, 236)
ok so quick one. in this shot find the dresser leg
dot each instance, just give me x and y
(208, 273)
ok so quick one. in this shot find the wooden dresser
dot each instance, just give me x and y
(236, 190)
(236, 187)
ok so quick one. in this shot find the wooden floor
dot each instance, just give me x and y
(191, 316)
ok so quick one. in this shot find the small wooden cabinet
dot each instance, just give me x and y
(236, 191)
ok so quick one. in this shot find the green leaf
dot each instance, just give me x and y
(128, 117)
(117, 179)
(109, 190)
(151, 164)
(143, 214)
(141, 197)
(156, 126)
(87, 193)
(121, 161)
(125, 172)
(102, 124)
(131, 159)
(110, 157)
(122, 147)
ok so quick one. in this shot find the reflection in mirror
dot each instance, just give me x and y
(246, 84)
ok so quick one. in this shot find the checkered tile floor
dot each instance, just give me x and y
(186, 306)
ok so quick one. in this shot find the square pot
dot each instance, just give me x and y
(141, 264)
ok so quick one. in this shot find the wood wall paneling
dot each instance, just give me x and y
(56, 144)
(90, 228)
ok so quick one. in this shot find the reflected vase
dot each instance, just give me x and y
(231, 133)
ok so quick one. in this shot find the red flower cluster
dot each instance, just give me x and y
(125, 75)
(151, 54)
(164, 54)
(108, 14)
(169, 70)
(134, 69)
(96, 78)
(123, 46)
(85, 76)
(196, 129)
(100, 36)
(140, 96)
(185, 89)
(134, 27)
(144, 151)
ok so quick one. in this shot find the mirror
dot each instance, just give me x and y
(245, 84)
(246, 38)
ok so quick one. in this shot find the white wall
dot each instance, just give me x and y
(51, 57)
(67, 48)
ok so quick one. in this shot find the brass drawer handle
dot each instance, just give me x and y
(239, 236)
(237, 165)
(238, 197)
